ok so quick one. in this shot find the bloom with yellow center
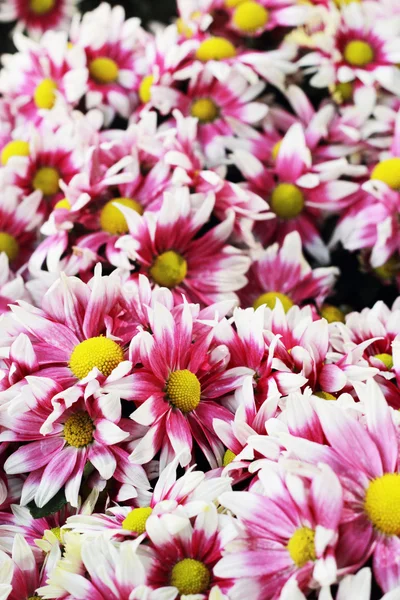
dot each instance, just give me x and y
(269, 299)
(388, 171)
(145, 88)
(99, 352)
(387, 359)
(250, 16)
(46, 180)
(190, 576)
(41, 7)
(229, 456)
(78, 430)
(301, 546)
(358, 53)
(44, 95)
(287, 201)
(103, 70)
(136, 520)
(9, 245)
(205, 110)
(183, 390)
(169, 269)
(14, 148)
(215, 48)
(111, 218)
(382, 503)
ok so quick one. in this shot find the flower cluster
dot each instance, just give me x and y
(191, 407)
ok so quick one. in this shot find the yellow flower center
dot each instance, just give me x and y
(275, 150)
(183, 390)
(169, 269)
(332, 314)
(205, 110)
(387, 359)
(228, 457)
(56, 530)
(382, 503)
(64, 203)
(111, 218)
(78, 430)
(136, 520)
(190, 576)
(358, 53)
(233, 3)
(301, 546)
(44, 95)
(250, 16)
(14, 148)
(46, 180)
(103, 70)
(287, 201)
(41, 7)
(145, 88)
(9, 245)
(389, 269)
(269, 298)
(388, 171)
(340, 3)
(325, 395)
(344, 91)
(100, 352)
(215, 48)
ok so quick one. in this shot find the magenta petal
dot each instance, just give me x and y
(33, 456)
(55, 475)
(386, 562)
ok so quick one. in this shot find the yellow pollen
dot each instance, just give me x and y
(78, 430)
(229, 456)
(389, 269)
(41, 7)
(275, 150)
(215, 48)
(111, 218)
(64, 203)
(388, 171)
(136, 520)
(183, 390)
(145, 88)
(387, 359)
(250, 16)
(190, 576)
(358, 53)
(287, 201)
(169, 269)
(9, 245)
(205, 110)
(103, 70)
(325, 395)
(344, 91)
(233, 3)
(14, 148)
(340, 3)
(100, 352)
(269, 298)
(44, 95)
(301, 546)
(332, 314)
(382, 503)
(46, 180)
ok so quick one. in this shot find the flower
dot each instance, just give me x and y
(38, 16)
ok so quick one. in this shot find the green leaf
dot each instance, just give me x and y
(53, 506)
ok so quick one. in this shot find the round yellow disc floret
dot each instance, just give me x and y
(382, 503)
(332, 314)
(46, 180)
(183, 390)
(145, 88)
(250, 16)
(99, 352)
(111, 218)
(387, 359)
(215, 48)
(205, 110)
(44, 95)
(229, 456)
(190, 576)
(41, 7)
(169, 269)
(14, 148)
(9, 245)
(103, 70)
(136, 520)
(301, 546)
(78, 430)
(358, 53)
(287, 201)
(344, 91)
(388, 171)
(269, 299)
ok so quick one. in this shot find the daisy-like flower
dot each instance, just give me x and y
(362, 47)
(172, 253)
(284, 536)
(37, 16)
(178, 386)
(283, 272)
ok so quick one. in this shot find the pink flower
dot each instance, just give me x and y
(38, 16)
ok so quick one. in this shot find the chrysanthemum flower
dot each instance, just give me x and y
(38, 16)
